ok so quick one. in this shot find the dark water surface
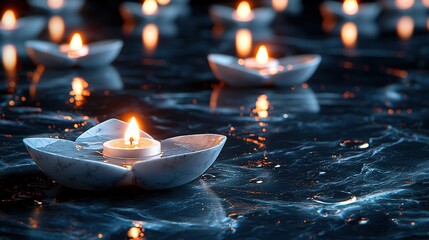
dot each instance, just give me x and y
(344, 156)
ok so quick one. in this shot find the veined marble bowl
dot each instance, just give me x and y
(26, 27)
(48, 54)
(366, 12)
(297, 69)
(81, 164)
(223, 14)
(68, 6)
(170, 12)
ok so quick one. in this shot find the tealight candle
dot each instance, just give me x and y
(350, 7)
(8, 20)
(55, 4)
(261, 61)
(76, 48)
(132, 146)
(149, 7)
(243, 13)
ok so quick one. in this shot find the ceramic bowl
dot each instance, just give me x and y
(224, 14)
(170, 12)
(367, 11)
(81, 164)
(47, 54)
(68, 6)
(26, 27)
(297, 69)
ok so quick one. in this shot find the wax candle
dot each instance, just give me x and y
(261, 61)
(150, 7)
(350, 7)
(8, 20)
(243, 13)
(132, 145)
(76, 48)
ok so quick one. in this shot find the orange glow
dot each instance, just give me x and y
(349, 34)
(262, 55)
(79, 91)
(163, 2)
(55, 4)
(405, 27)
(150, 36)
(262, 105)
(76, 48)
(404, 4)
(56, 28)
(280, 5)
(132, 134)
(243, 13)
(350, 7)
(10, 62)
(427, 23)
(150, 7)
(8, 20)
(426, 3)
(76, 42)
(243, 42)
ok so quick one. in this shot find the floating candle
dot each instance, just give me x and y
(76, 48)
(149, 7)
(243, 13)
(55, 4)
(280, 5)
(132, 146)
(8, 20)
(261, 61)
(404, 4)
(350, 7)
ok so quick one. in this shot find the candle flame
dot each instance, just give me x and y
(262, 105)
(404, 4)
(56, 28)
(76, 43)
(8, 20)
(150, 37)
(350, 7)
(349, 34)
(132, 134)
(10, 61)
(426, 3)
(55, 4)
(149, 7)
(280, 5)
(405, 27)
(262, 55)
(243, 42)
(79, 91)
(243, 11)
(163, 2)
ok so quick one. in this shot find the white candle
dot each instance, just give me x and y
(76, 48)
(132, 145)
(261, 61)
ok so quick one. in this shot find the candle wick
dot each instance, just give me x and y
(131, 141)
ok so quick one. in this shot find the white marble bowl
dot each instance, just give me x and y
(297, 69)
(26, 27)
(81, 164)
(367, 11)
(170, 12)
(47, 54)
(68, 6)
(223, 14)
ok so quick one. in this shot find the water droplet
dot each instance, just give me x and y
(208, 176)
(338, 198)
(354, 144)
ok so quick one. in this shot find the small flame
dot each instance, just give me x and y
(76, 42)
(349, 34)
(132, 135)
(350, 7)
(149, 7)
(404, 4)
(262, 55)
(150, 35)
(10, 61)
(79, 91)
(243, 11)
(8, 20)
(280, 5)
(243, 42)
(163, 2)
(56, 28)
(405, 27)
(55, 4)
(262, 105)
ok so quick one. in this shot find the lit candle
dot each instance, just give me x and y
(280, 5)
(404, 4)
(8, 20)
(261, 61)
(405, 28)
(76, 48)
(164, 2)
(55, 4)
(243, 13)
(149, 7)
(132, 146)
(349, 34)
(350, 7)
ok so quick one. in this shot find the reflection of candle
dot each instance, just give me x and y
(404, 4)
(243, 42)
(149, 7)
(79, 91)
(132, 146)
(55, 4)
(405, 27)
(350, 7)
(76, 48)
(10, 60)
(164, 2)
(280, 5)
(262, 60)
(8, 20)
(243, 13)
(349, 34)
(261, 107)
(150, 35)
(56, 28)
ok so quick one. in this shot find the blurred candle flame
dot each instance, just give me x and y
(349, 34)
(426, 3)
(150, 7)
(262, 105)
(150, 36)
(243, 42)
(8, 20)
(10, 62)
(262, 55)
(405, 27)
(132, 134)
(76, 43)
(280, 5)
(55, 4)
(56, 28)
(350, 7)
(163, 2)
(404, 4)
(243, 12)
(79, 91)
